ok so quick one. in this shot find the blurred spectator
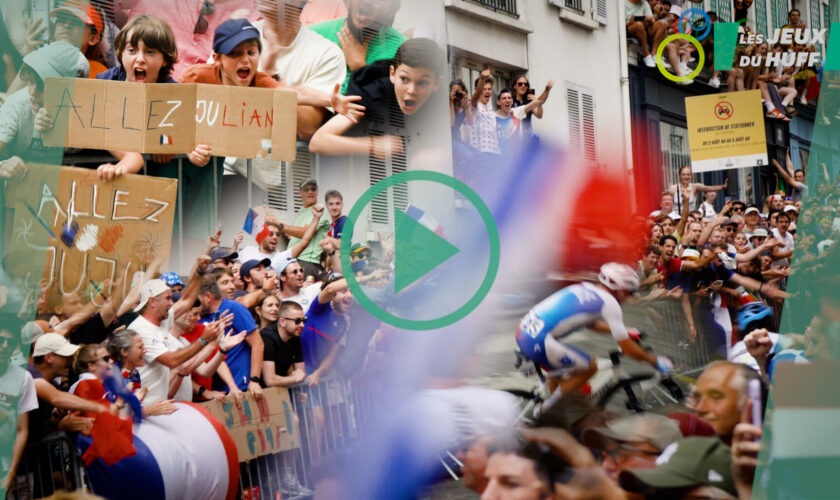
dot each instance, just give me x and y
(631, 442)
(740, 10)
(283, 356)
(692, 188)
(365, 35)
(318, 11)
(695, 467)
(638, 18)
(482, 118)
(325, 329)
(19, 399)
(291, 277)
(335, 207)
(80, 28)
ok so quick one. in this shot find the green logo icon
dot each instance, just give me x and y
(419, 250)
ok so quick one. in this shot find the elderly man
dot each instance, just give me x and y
(720, 395)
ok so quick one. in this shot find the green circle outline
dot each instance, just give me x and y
(486, 217)
(700, 62)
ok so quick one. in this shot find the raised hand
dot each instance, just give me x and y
(201, 155)
(355, 53)
(345, 105)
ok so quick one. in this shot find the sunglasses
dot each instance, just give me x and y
(729, 229)
(201, 25)
(521, 84)
(737, 209)
(296, 320)
(310, 189)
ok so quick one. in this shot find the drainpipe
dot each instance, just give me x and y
(625, 101)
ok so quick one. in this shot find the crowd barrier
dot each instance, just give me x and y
(50, 465)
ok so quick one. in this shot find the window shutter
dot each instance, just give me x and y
(282, 189)
(599, 11)
(580, 104)
(382, 207)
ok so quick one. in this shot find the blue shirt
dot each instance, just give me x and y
(323, 329)
(337, 227)
(238, 358)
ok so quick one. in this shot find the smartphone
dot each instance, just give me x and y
(41, 10)
(531, 92)
(754, 393)
(639, 18)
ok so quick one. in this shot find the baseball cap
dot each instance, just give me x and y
(790, 208)
(657, 430)
(90, 16)
(759, 231)
(219, 253)
(53, 343)
(231, 33)
(149, 289)
(729, 223)
(285, 264)
(689, 462)
(750, 210)
(306, 182)
(55, 60)
(171, 279)
(245, 270)
(358, 248)
(691, 253)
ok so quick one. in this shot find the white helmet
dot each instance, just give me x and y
(617, 276)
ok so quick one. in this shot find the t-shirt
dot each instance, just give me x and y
(337, 227)
(39, 417)
(17, 131)
(238, 358)
(278, 258)
(17, 396)
(311, 60)
(642, 8)
(788, 240)
(92, 331)
(96, 68)
(89, 387)
(306, 295)
(284, 354)
(383, 46)
(509, 129)
(671, 272)
(211, 74)
(483, 133)
(184, 392)
(323, 329)
(157, 341)
(312, 252)
(192, 336)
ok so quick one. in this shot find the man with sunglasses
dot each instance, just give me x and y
(631, 442)
(193, 22)
(292, 279)
(283, 355)
(309, 258)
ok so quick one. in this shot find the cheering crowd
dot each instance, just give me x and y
(255, 316)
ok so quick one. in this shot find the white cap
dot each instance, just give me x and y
(750, 210)
(53, 343)
(149, 289)
(790, 208)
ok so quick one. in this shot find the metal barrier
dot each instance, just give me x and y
(50, 465)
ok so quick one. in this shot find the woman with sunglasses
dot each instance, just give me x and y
(523, 94)
(90, 365)
(282, 352)
(685, 185)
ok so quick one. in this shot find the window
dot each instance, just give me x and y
(580, 105)
(761, 17)
(676, 154)
(780, 12)
(505, 6)
(723, 8)
(470, 71)
(599, 11)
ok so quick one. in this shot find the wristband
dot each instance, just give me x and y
(203, 341)
(255, 379)
(223, 351)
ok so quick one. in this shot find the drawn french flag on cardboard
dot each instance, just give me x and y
(255, 225)
(427, 220)
(165, 140)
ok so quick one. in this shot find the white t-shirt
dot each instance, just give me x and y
(788, 239)
(157, 341)
(311, 60)
(16, 384)
(306, 295)
(708, 210)
(184, 392)
(278, 258)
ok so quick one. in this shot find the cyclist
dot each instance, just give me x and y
(577, 306)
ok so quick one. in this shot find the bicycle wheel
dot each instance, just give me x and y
(628, 394)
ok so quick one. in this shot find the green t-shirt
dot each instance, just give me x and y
(313, 251)
(383, 46)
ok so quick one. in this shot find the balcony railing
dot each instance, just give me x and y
(506, 6)
(575, 5)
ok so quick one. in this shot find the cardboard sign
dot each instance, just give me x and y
(726, 131)
(242, 122)
(260, 427)
(91, 230)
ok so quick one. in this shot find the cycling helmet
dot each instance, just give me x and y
(617, 276)
(751, 312)
(171, 279)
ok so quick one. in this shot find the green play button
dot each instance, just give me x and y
(417, 250)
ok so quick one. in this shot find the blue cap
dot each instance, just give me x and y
(245, 270)
(171, 279)
(231, 33)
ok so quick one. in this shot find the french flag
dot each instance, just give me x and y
(255, 225)
(427, 220)
(165, 140)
